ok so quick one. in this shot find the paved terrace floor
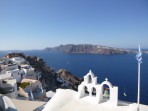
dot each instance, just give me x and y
(26, 105)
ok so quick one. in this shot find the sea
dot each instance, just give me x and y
(121, 70)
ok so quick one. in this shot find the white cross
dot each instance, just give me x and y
(106, 79)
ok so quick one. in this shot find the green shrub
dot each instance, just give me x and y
(24, 84)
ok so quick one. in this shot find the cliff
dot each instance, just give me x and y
(68, 79)
(87, 48)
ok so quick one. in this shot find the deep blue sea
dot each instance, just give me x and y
(121, 70)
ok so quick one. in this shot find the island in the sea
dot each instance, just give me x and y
(87, 49)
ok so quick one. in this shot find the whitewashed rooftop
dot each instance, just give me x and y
(91, 96)
(66, 100)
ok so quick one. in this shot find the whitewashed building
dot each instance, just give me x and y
(25, 66)
(29, 71)
(18, 60)
(8, 83)
(9, 67)
(4, 75)
(17, 74)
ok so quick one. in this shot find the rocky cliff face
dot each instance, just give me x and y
(68, 78)
(48, 75)
(87, 48)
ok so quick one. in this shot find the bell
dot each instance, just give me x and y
(94, 91)
(106, 94)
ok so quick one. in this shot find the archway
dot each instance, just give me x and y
(106, 88)
(86, 90)
(93, 91)
(106, 92)
(89, 79)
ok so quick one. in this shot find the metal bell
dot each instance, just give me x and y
(106, 94)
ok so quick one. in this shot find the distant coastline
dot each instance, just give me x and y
(84, 49)
(88, 49)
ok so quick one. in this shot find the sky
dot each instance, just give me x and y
(36, 24)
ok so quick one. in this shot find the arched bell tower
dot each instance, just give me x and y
(90, 87)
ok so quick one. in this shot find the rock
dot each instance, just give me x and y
(69, 79)
(47, 74)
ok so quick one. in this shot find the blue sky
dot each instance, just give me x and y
(36, 24)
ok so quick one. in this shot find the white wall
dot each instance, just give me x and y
(10, 67)
(114, 96)
(5, 76)
(29, 72)
(11, 82)
(17, 74)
